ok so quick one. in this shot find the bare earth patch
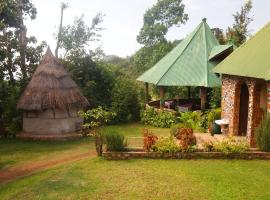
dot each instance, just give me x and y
(24, 170)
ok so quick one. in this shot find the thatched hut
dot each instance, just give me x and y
(50, 102)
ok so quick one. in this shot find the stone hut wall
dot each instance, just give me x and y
(51, 121)
(231, 88)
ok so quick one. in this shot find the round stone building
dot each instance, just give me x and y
(50, 103)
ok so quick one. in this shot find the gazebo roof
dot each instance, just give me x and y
(51, 87)
(252, 59)
(188, 63)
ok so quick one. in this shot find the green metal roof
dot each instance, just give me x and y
(217, 50)
(252, 59)
(187, 64)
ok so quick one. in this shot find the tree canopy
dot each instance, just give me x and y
(158, 19)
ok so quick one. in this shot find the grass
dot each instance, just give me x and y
(133, 132)
(97, 178)
(16, 152)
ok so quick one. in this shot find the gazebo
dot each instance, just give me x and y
(50, 102)
(190, 63)
(246, 85)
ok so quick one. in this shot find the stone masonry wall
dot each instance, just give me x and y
(231, 89)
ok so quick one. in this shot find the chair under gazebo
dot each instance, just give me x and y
(189, 64)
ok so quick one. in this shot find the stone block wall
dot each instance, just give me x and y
(231, 90)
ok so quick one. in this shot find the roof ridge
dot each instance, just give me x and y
(194, 33)
(206, 61)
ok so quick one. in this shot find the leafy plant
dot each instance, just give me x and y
(166, 145)
(155, 118)
(93, 120)
(192, 120)
(115, 141)
(263, 133)
(125, 102)
(208, 146)
(231, 145)
(174, 130)
(186, 138)
(149, 139)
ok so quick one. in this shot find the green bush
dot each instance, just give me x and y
(230, 145)
(162, 119)
(125, 102)
(263, 133)
(166, 145)
(213, 115)
(215, 97)
(114, 141)
(192, 120)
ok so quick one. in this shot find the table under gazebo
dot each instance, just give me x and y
(189, 64)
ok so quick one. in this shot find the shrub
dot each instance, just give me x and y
(186, 138)
(149, 139)
(213, 115)
(192, 120)
(208, 146)
(230, 145)
(263, 133)
(162, 119)
(125, 102)
(215, 97)
(166, 145)
(175, 129)
(115, 141)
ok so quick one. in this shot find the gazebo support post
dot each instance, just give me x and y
(203, 97)
(161, 95)
(146, 88)
(189, 92)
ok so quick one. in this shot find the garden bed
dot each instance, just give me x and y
(248, 155)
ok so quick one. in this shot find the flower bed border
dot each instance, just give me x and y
(249, 155)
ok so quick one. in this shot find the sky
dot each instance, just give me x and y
(124, 19)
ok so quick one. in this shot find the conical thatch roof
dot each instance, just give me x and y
(51, 87)
(188, 63)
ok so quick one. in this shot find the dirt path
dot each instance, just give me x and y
(25, 170)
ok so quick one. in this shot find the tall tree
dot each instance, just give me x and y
(76, 38)
(158, 19)
(238, 33)
(63, 7)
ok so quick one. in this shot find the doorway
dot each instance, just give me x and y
(243, 112)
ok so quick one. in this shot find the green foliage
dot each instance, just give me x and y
(95, 79)
(162, 119)
(230, 145)
(75, 38)
(147, 57)
(215, 98)
(166, 145)
(158, 19)
(192, 120)
(125, 102)
(115, 141)
(239, 32)
(263, 133)
(96, 117)
(174, 130)
(213, 115)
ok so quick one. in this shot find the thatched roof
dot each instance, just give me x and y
(51, 87)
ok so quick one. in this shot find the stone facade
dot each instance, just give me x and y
(257, 96)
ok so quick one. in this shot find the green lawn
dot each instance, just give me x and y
(135, 130)
(15, 152)
(97, 178)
